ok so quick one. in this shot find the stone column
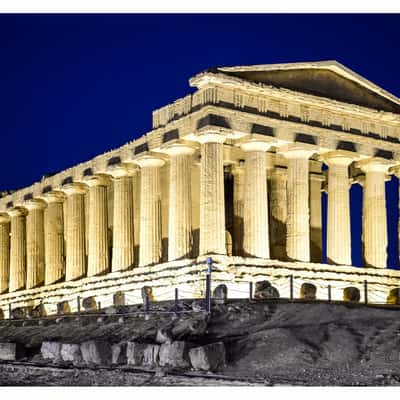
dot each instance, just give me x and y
(278, 207)
(316, 217)
(150, 210)
(180, 201)
(34, 243)
(98, 258)
(238, 208)
(256, 235)
(212, 199)
(4, 252)
(75, 265)
(54, 237)
(338, 230)
(17, 249)
(123, 235)
(298, 218)
(374, 213)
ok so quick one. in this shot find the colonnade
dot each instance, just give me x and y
(34, 251)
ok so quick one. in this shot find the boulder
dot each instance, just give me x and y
(71, 353)
(308, 291)
(96, 352)
(174, 355)
(89, 304)
(210, 357)
(189, 325)
(351, 294)
(394, 296)
(151, 356)
(51, 351)
(264, 290)
(63, 308)
(119, 298)
(118, 353)
(135, 353)
(220, 294)
(147, 291)
(11, 351)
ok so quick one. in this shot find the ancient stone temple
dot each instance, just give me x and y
(236, 170)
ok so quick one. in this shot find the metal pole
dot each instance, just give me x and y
(208, 284)
(329, 293)
(251, 291)
(365, 292)
(98, 306)
(291, 287)
(79, 305)
(9, 311)
(146, 304)
(176, 300)
(41, 309)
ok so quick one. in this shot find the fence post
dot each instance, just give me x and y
(176, 300)
(98, 306)
(41, 308)
(208, 284)
(291, 287)
(9, 311)
(365, 292)
(251, 291)
(329, 293)
(146, 304)
(79, 306)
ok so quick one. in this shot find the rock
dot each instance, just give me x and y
(308, 291)
(18, 313)
(198, 305)
(11, 351)
(119, 298)
(96, 352)
(89, 304)
(147, 291)
(38, 312)
(189, 326)
(51, 351)
(208, 358)
(63, 308)
(118, 353)
(72, 353)
(220, 294)
(351, 294)
(174, 355)
(151, 356)
(135, 353)
(163, 336)
(394, 296)
(264, 290)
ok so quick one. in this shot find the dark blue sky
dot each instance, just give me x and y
(74, 86)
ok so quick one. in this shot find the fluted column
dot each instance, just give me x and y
(212, 200)
(34, 243)
(338, 229)
(256, 235)
(4, 252)
(17, 249)
(298, 218)
(238, 208)
(98, 258)
(180, 201)
(54, 237)
(316, 217)
(75, 265)
(278, 207)
(150, 210)
(374, 213)
(123, 235)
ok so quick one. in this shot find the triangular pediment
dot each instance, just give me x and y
(328, 79)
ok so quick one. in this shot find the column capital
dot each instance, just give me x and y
(97, 180)
(4, 218)
(210, 137)
(177, 149)
(17, 212)
(74, 188)
(395, 170)
(255, 145)
(339, 157)
(149, 161)
(55, 196)
(34, 204)
(375, 164)
(294, 150)
(120, 170)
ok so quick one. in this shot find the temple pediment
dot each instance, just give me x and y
(328, 79)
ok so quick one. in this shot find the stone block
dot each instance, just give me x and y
(351, 294)
(96, 352)
(118, 353)
(220, 294)
(151, 355)
(119, 298)
(89, 304)
(18, 313)
(72, 353)
(147, 290)
(63, 308)
(51, 351)
(394, 296)
(308, 291)
(163, 336)
(208, 358)
(264, 290)
(135, 353)
(174, 355)
(38, 311)
(10, 351)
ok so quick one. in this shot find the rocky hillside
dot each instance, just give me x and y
(263, 342)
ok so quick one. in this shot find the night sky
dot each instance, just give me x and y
(75, 86)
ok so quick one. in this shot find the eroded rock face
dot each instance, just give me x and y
(135, 353)
(308, 291)
(264, 290)
(51, 351)
(96, 352)
(208, 358)
(174, 355)
(220, 294)
(72, 353)
(118, 353)
(351, 294)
